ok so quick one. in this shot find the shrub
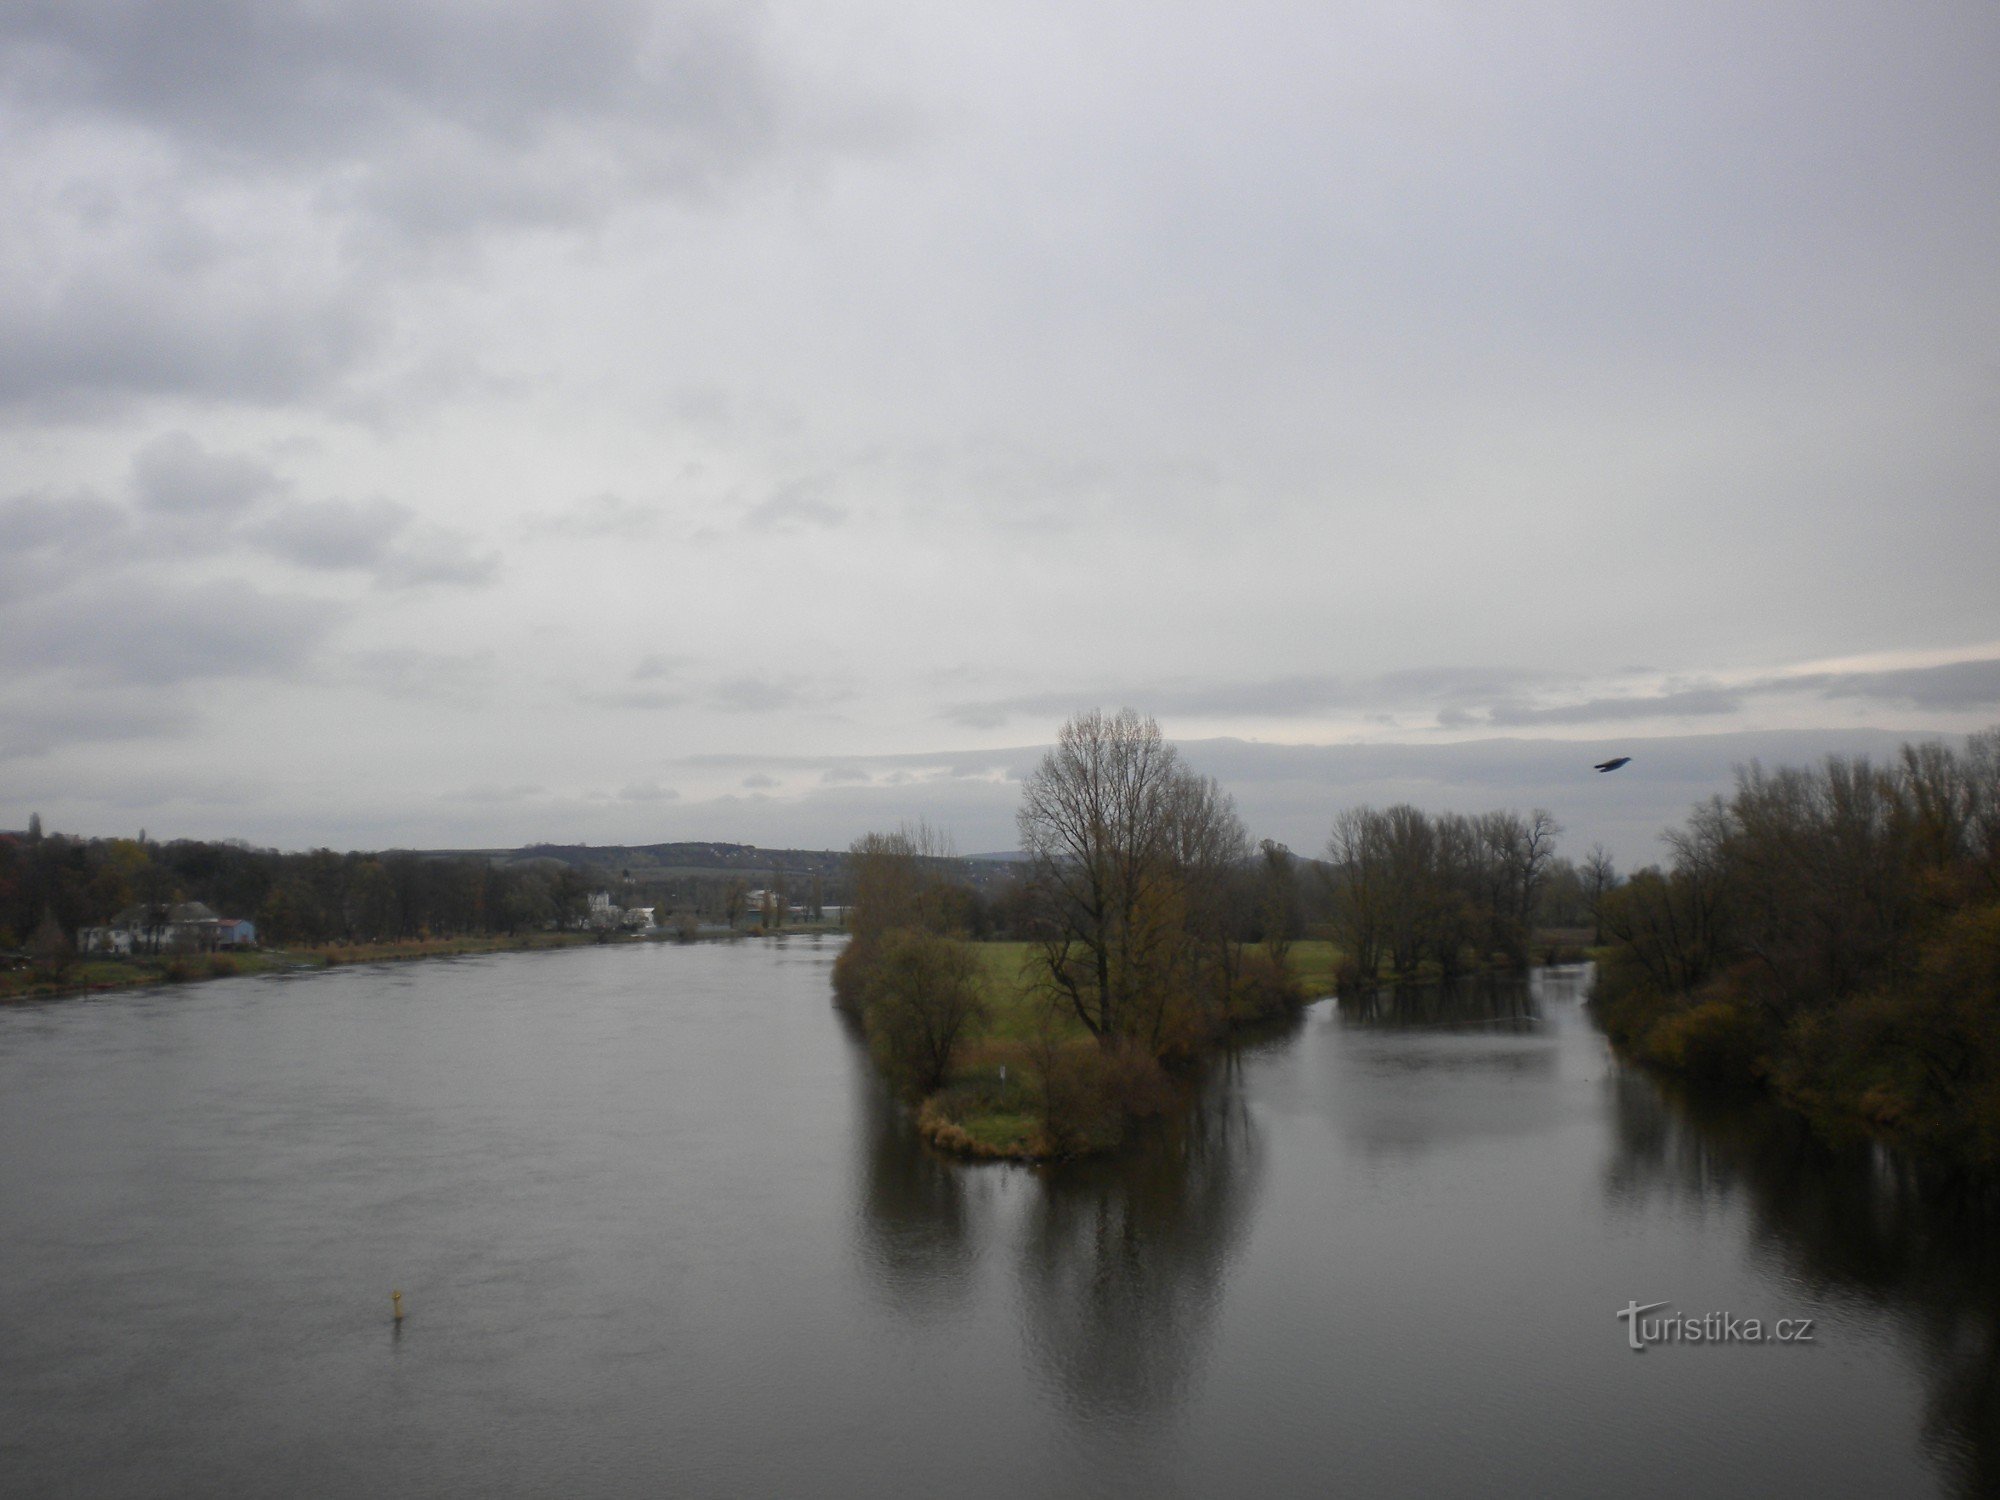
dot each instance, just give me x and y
(1266, 989)
(922, 1000)
(1715, 1042)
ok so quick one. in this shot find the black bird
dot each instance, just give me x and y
(1612, 765)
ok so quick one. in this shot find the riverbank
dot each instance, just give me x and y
(99, 975)
(1915, 1065)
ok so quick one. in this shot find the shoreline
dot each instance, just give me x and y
(100, 976)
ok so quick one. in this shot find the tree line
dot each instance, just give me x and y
(1834, 932)
(1408, 887)
(57, 884)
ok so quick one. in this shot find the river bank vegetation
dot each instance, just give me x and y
(1831, 933)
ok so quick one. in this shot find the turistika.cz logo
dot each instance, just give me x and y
(1712, 1328)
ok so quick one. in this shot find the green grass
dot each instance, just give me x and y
(1012, 1004)
(1006, 971)
(1002, 1133)
(1315, 961)
(981, 1116)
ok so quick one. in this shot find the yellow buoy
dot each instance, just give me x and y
(396, 1301)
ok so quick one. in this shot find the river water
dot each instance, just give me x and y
(659, 1233)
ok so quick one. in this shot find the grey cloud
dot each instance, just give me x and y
(1011, 764)
(175, 474)
(375, 536)
(1965, 686)
(1463, 698)
(647, 791)
(265, 175)
(641, 698)
(132, 630)
(434, 117)
(1027, 487)
(490, 793)
(1271, 697)
(754, 695)
(44, 537)
(332, 534)
(794, 507)
(37, 724)
(90, 336)
(1960, 685)
(605, 515)
(272, 80)
(658, 666)
(759, 780)
(426, 676)
(1687, 704)
(48, 523)
(437, 555)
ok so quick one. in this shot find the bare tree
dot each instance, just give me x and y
(1281, 912)
(1600, 877)
(1096, 822)
(1355, 853)
(1208, 848)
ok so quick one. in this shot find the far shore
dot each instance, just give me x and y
(99, 975)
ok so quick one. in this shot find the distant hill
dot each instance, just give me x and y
(660, 861)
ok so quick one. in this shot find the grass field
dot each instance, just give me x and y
(1010, 994)
(990, 1107)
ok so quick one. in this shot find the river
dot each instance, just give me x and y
(658, 1232)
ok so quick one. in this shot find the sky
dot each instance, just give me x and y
(430, 425)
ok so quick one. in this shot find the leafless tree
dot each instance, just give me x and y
(1095, 822)
(1600, 876)
(1134, 861)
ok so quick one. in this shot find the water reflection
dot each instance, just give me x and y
(1426, 1066)
(1849, 1223)
(1480, 1002)
(914, 1211)
(1123, 1261)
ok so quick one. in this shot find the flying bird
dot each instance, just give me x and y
(1612, 765)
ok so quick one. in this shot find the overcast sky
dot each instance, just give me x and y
(430, 424)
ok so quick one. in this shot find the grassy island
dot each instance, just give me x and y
(994, 1105)
(1139, 886)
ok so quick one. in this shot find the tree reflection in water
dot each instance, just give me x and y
(914, 1222)
(1124, 1259)
(1851, 1222)
(1483, 1002)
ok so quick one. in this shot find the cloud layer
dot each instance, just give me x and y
(505, 408)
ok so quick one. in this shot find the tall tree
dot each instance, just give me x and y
(1132, 863)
